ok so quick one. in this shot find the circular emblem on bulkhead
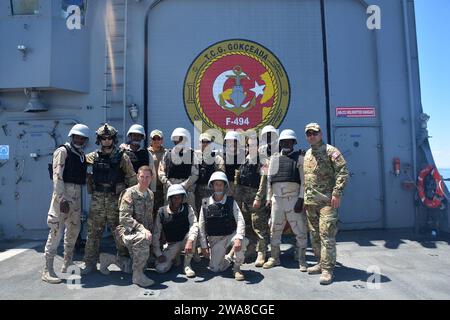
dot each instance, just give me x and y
(236, 84)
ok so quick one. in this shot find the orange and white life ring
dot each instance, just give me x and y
(438, 194)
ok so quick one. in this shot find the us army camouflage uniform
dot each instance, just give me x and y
(325, 175)
(104, 210)
(56, 220)
(159, 193)
(135, 217)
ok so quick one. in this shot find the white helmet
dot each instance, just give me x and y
(174, 190)
(136, 128)
(180, 132)
(288, 134)
(218, 175)
(205, 136)
(79, 130)
(232, 135)
(269, 129)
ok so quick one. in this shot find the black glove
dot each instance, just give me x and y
(64, 207)
(298, 208)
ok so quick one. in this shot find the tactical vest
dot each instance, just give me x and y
(287, 170)
(176, 228)
(106, 169)
(230, 168)
(74, 168)
(138, 158)
(249, 174)
(178, 171)
(220, 219)
(205, 171)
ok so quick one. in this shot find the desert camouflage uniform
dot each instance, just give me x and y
(284, 196)
(56, 220)
(104, 210)
(325, 175)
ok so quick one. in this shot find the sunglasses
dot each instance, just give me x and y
(206, 142)
(156, 138)
(312, 133)
(105, 138)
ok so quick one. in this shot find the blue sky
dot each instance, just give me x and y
(433, 36)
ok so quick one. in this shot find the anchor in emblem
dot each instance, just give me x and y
(238, 94)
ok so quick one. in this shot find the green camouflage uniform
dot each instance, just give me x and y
(325, 176)
(104, 210)
(159, 194)
(260, 218)
(256, 220)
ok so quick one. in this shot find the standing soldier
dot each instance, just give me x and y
(285, 196)
(112, 171)
(261, 216)
(157, 151)
(180, 226)
(247, 183)
(325, 177)
(138, 155)
(136, 223)
(221, 224)
(233, 155)
(69, 173)
(209, 161)
(178, 167)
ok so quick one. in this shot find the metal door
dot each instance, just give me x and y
(362, 201)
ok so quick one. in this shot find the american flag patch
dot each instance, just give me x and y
(335, 155)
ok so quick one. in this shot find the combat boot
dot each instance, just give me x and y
(326, 277)
(187, 267)
(106, 260)
(49, 275)
(238, 275)
(316, 269)
(88, 268)
(260, 260)
(67, 262)
(302, 260)
(274, 259)
(140, 278)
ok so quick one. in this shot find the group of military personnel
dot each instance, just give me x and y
(227, 206)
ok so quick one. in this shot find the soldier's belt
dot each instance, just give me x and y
(104, 188)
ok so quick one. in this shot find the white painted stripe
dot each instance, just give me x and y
(18, 250)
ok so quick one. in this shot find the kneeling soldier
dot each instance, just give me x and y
(136, 208)
(221, 225)
(179, 223)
